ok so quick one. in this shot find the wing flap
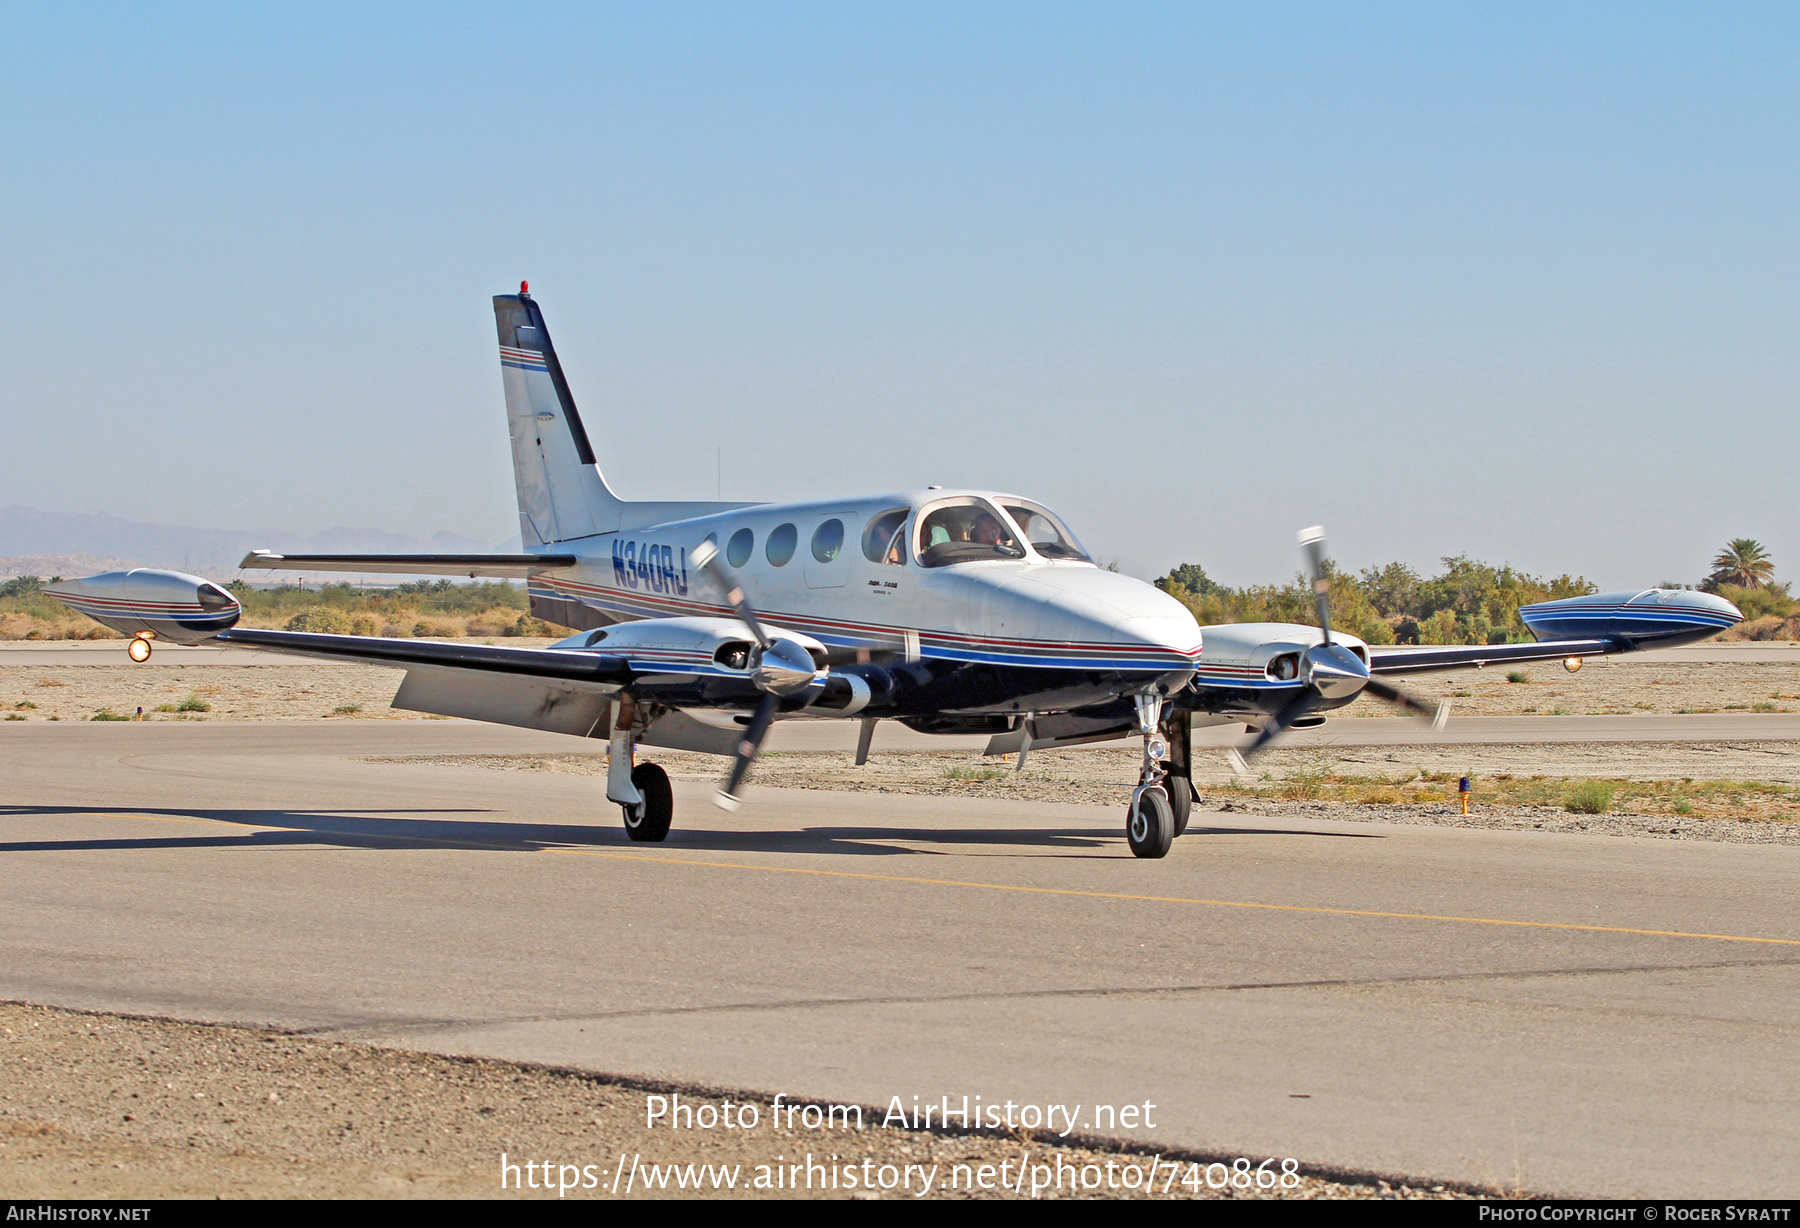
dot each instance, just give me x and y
(506, 699)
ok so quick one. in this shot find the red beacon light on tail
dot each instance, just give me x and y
(524, 289)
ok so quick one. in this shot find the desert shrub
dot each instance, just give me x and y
(193, 703)
(346, 710)
(324, 621)
(434, 630)
(107, 714)
(1518, 675)
(1589, 797)
(526, 625)
(1770, 601)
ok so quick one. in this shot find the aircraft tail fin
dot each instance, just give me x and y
(562, 495)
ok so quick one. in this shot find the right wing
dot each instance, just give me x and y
(512, 566)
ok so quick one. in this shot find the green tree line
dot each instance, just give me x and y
(1469, 603)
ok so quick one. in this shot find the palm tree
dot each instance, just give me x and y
(1744, 563)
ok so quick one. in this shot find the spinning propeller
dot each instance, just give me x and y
(1327, 670)
(778, 668)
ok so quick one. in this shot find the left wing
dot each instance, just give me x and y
(1476, 656)
(1587, 626)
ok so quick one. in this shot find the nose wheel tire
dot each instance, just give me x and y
(649, 821)
(1150, 826)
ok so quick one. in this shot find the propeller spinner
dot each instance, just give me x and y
(1329, 671)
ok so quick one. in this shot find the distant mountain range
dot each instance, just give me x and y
(34, 542)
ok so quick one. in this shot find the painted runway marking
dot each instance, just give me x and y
(1057, 891)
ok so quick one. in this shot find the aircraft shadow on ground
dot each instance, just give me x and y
(395, 829)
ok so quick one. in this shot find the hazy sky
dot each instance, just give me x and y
(1517, 281)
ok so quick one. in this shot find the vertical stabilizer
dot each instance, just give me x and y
(561, 493)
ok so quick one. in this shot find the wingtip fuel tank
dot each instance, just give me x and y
(1652, 617)
(168, 605)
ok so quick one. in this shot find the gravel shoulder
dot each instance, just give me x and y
(98, 1106)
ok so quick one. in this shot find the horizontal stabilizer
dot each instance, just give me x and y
(514, 566)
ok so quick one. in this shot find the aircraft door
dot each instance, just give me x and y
(828, 560)
(884, 544)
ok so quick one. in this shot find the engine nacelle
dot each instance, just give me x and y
(166, 604)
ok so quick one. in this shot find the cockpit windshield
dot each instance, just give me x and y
(1047, 534)
(965, 530)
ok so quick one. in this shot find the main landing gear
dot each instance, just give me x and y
(649, 819)
(641, 790)
(1150, 824)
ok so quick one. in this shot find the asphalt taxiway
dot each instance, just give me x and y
(1601, 1015)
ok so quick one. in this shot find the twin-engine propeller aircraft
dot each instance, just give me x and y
(950, 611)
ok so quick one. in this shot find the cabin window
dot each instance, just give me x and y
(883, 541)
(1046, 534)
(827, 540)
(780, 547)
(965, 530)
(738, 552)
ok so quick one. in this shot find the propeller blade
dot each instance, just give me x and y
(1437, 713)
(1290, 712)
(706, 558)
(727, 798)
(1312, 545)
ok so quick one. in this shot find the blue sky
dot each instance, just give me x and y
(1513, 280)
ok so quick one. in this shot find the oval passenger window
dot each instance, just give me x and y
(738, 552)
(781, 544)
(827, 540)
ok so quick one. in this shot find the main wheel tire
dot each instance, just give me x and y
(649, 821)
(1181, 801)
(1150, 827)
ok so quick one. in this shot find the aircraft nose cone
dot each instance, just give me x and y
(1334, 671)
(783, 668)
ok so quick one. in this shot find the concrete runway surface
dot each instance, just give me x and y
(1587, 1014)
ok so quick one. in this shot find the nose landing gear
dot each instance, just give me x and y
(1150, 823)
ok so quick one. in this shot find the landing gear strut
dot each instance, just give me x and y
(1150, 823)
(641, 790)
(1178, 727)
